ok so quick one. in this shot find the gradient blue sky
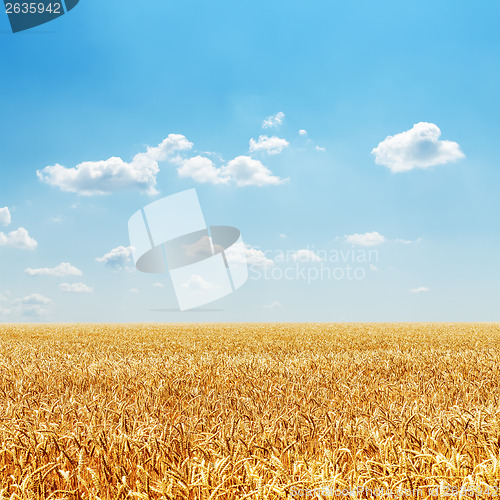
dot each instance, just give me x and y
(111, 78)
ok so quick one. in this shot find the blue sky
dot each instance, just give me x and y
(110, 79)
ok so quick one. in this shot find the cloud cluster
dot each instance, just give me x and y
(63, 269)
(5, 218)
(117, 259)
(31, 305)
(365, 239)
(271, 145)
(418, 147)
(201, 169)
(248, 255)
(92, 178)
(114, 174)
(19, 238)
(273, 120)
(242, 171)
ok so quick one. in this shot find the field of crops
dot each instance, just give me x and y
(249, 411)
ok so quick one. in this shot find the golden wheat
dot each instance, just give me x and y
(221, 411)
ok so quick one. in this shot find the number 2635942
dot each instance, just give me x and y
(33, 8)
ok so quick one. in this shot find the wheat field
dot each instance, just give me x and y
(249, 411)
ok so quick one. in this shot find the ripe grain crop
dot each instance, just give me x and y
(249, 411)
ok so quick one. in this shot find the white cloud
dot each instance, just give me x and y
(272, 305)
(32, 305)
(246, 171)
(197, 283)
(366, 239)
(159, 285)
(322, 150)
(18, 239)
(248, 255)
(114, 174)
(271, 145)
(257, 258)
(305, 255)
(75, 288)
(283, 235)
(63, 269)
(273, 120)
(5, 218)
(243, 171)
(407, 242)
(133, 290)
(201, 169)
(418, 147)
(116, 259)
(302, 132)
(420, 289)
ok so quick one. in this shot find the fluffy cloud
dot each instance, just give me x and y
(305, 255)
(159, 285)
(197, 283)
(116, 259)
(248, 255)
(32, 305)
(75, 288)
(243, 171)
(106, 176)
(322, 150)
(271, 145)
(418, 147)
(420, 289)
(18, 239)
(201, 169)
(302, 132)
(246, 171)
(257, 258)
(366, 239)
(64, 269)
(273, 120)
(5, 217)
